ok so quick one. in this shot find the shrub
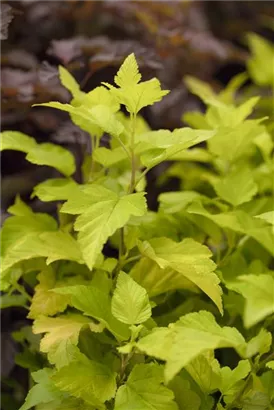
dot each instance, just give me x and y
(140, 309)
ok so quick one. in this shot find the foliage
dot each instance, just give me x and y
(140, 309)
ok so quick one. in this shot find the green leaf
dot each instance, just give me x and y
(86, 379)
(230, 116)
(156, 280)
(231, 143)
(144, 390)
(259, 344)
(268, 217)
(237, 187)
(43, 392)
(41, 154)
(128, 74)
(102, 213)
(192, 335)
(17, 141)
(185, 397)
(61, 333)
(97, 304)
(201, 89)
(44, 301)
(20, 235)
(69, 82)
(158, 146)
(56, 189)
(61, 246)
(130, 302)
(270, 364)
(70, 403)
(52, 156)
(262, 59)
(20, 208)
(7, 301)
(132, 94)
(230, 379)
(205, 370)
(256, 400)
(172, 202)
(190, 259)
(86, 118)
(240, 222)
(258, 291)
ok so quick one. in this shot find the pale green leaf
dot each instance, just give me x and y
(190, 259)
(42, 392)
(70, 403)
(61, 246)
(268, 217)
(41, 154)
(230, 116)
(196, 120)
(192, 335)
(240, 222)
(256, 400)
(128, 74)
(229, 385)
(20, 208)
(201, 89)
(267, 380)
(131, 93)
(156, 280)
(7, 300)
(102, 213)
(107, 157)
(258, 291)
(97, 304)
(61, 333)
(69, 81)
(205, 370)
(130, 302)
(54, 156)
(172, 202)
(44, 301)
(231, 143)
(20, 235)
(158, 146)
(99, 115)
(17, 141)
(87, 379)
(270, 364)
(185, 397)
(101, 96)
(140, 95)
(56, 189)
(228, 94)
(259, 344)
(144, 390)
(260, 65)
(236, 187)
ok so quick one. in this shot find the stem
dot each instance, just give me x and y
(143, 174)
(124, 362)
(267, 359)
(21, 290)
(122, 249)
(240, 393)
(132, 259)
(133, 160)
